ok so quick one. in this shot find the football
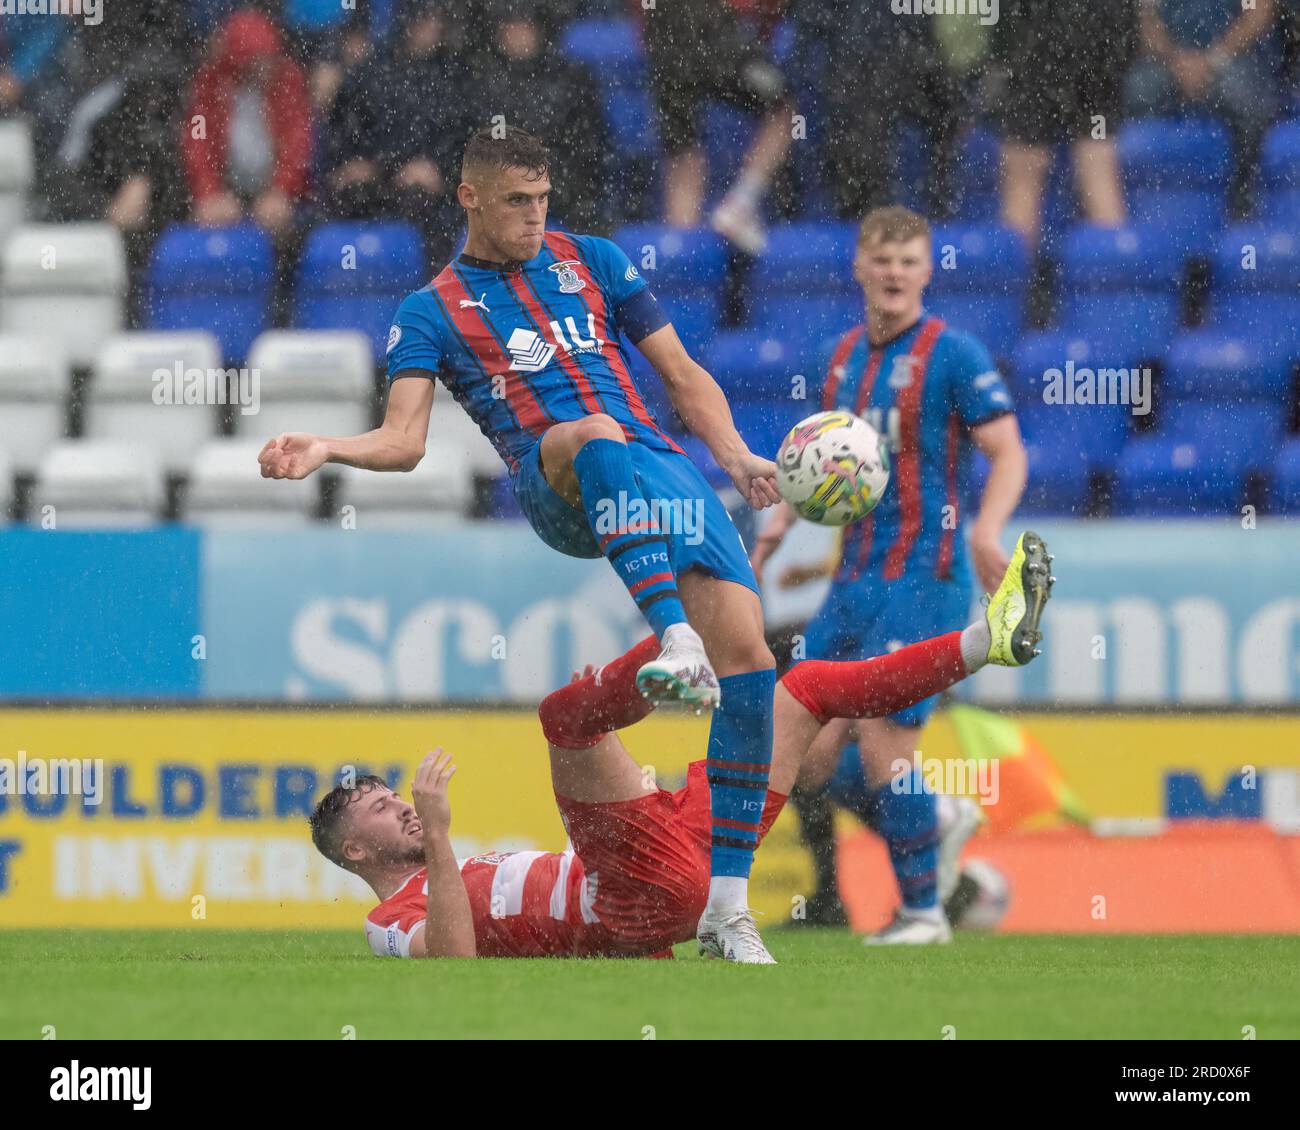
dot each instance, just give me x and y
(832, 468)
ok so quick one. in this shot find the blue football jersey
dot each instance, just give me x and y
(922, 392)
(525, 346)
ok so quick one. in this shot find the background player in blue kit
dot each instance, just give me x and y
(524, 329)
(903, 572)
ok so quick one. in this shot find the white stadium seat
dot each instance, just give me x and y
(454, 437)
(98, 483)
(138, 388)
(438, 490)
(310, 381)
(66, 283)
(226, 488)
(34, 384)
(6, 487)
(17, 168)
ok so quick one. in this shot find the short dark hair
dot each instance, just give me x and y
(509, 147)
(327, 820)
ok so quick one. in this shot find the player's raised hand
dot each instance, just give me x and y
(429, 792)
(755, 478)
(292, 455)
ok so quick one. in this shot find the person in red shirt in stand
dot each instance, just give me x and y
(246, 135)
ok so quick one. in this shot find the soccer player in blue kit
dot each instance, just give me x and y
(524, 330)
(903, 572)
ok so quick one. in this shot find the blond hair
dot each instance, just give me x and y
(892, 224)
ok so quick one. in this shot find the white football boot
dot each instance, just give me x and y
(912, 928)
(959, 817)
(681, 672)
(732, 936)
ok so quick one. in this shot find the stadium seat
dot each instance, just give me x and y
(809, 326)
(752, 367)
(215, 279)
(455, 438)
(687, 268)
(611, 48)
(17, 170)
(226, 488)
(100, 483)
(981, 272)
(1247, 434)
(353, 276)
(806, 258)
(137, 392)
(1286, 478)
(34, 384)
(6, 487)
(1175, 173)
(1279, 181)
(1058, 480)
(1122, 285)
(1231, 368)
(310, 381)
(438, 490)
(1255, 284)
(1169, 475)
(66, 283)
(980, 162)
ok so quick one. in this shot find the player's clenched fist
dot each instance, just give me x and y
(293, 455)
(429, 792)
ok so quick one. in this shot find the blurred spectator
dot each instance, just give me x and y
(1061, 68)
(246, 137)
(534, 87)
(1216, 56)
(397, 128)
(701, 50)
(32, 83)
(870, 55)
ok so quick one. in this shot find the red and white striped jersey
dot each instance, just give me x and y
(524, 904)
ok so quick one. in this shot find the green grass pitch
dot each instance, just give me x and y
(110, 984)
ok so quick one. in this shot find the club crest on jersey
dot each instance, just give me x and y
(570, 281)
(903, 371)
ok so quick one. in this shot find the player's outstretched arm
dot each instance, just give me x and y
(396, 445)
(449, 925)
(703, 408)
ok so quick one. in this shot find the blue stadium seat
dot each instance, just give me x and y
(1211, 365)
(215, 279)
(684, 258)
(1286, 478)
(1246, 435)
(1058, 480)
(611, 49)
(982, 291)
(1175, 173)
(1171, 475)
(1261, 300)
(807, 325)
(764, 426)
(806, 258)
(630, 116)
(386, 264)
(1122, 285)
(1280, 173)
(752, 366)
(1092, 433)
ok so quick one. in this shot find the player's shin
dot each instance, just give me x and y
(906, 817)
(739, 760)
(631, 542)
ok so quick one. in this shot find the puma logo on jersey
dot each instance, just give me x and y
(481, 304)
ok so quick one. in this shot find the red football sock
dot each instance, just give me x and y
(579, 715)
(873, 688)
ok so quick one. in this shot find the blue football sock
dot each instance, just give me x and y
(908, 822)
(637, 551)
(740, 755)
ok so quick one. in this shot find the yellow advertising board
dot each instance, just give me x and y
(203, 812)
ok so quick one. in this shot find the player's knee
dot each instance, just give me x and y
(744, 656)
(597, 426)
